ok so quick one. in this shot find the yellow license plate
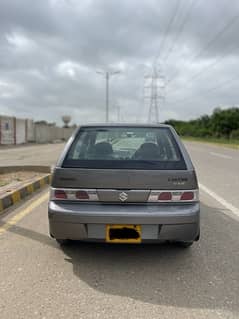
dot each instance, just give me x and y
(130, 234)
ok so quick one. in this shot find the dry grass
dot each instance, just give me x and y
(17, 177)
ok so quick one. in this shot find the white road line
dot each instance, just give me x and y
(220, 155)
(219, 199)
(194, 148)
(22, 213)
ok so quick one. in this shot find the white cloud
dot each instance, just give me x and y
(20, 42)
(71, 69)
(9, 90)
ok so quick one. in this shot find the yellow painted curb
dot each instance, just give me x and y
(1, 205)
(16, 197)
(30, 188)
(42, 182)
(15, 219)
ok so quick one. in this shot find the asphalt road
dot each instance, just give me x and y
(217, 169)
(40, 280)
(45, 154)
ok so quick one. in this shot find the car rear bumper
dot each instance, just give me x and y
(88, 221)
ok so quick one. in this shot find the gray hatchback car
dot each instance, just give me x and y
(124, 184)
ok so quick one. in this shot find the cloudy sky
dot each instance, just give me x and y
(50, 52)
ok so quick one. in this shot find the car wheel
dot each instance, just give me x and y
(184, 244)
(62, 242)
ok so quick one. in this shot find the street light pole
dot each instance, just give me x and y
(107, 76)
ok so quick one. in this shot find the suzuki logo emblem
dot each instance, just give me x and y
(123, 196)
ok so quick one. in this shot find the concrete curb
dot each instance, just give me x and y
(17, 195)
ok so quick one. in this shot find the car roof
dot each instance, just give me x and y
(138, 125)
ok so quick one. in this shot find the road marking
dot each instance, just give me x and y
(195, 148)
(219, 199)
(220, 155)
(15, 219)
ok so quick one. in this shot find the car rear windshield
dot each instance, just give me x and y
(125, 148)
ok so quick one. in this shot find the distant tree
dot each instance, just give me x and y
(225, 121)
(222, 123)
(234, 134)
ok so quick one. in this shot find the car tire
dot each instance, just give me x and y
(62, 242)
(184, 244)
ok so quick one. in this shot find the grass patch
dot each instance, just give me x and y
(212, 140)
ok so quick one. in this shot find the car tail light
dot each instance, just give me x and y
(82, 195)
(165, 196)
(68, 194)
(173, 196)
(187, 196)
(60, 194)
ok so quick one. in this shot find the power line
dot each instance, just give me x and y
(211, 42)
(181, 27)
(203, 70)
(225, 83)
(218, 35)
(171, 21)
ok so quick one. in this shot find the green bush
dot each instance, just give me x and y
(221, 124)
(234, 135)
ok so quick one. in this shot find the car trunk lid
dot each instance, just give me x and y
(117, 179)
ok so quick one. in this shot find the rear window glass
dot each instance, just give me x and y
(124, 147)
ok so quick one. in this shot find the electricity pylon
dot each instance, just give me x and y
(154, 94)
